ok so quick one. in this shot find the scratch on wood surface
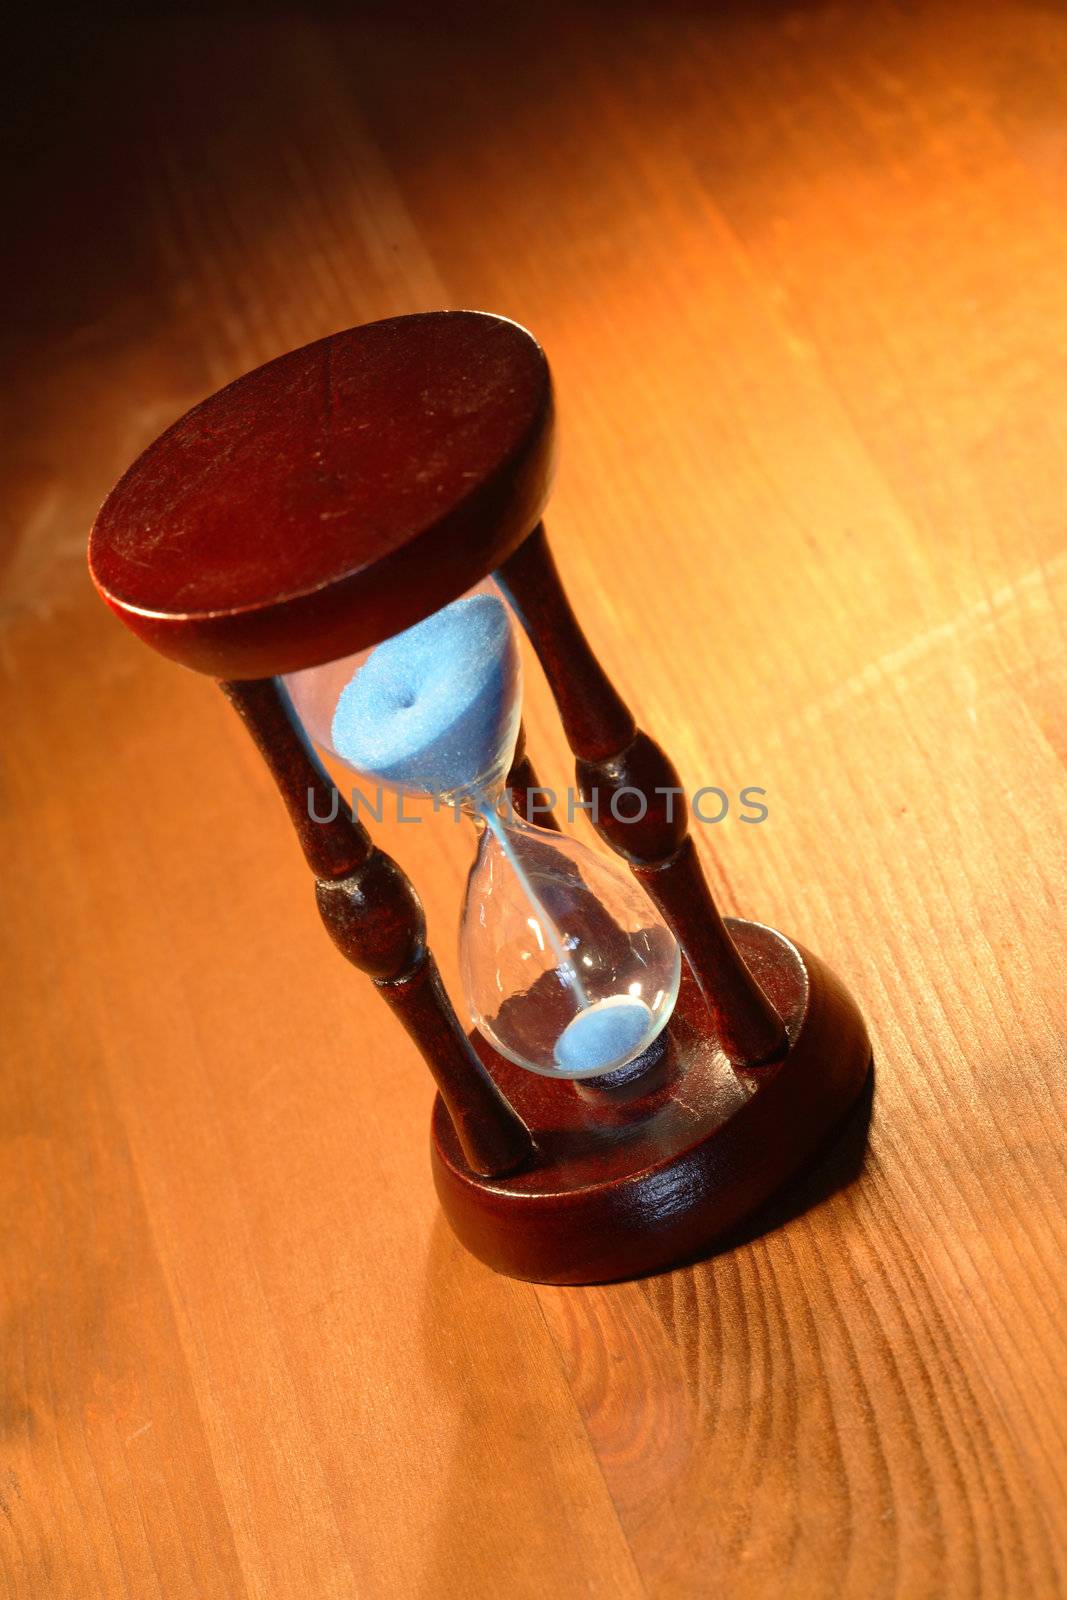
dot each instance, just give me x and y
(979, 615)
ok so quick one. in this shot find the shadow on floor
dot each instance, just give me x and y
(838, 1165)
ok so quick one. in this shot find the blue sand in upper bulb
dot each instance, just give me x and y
(434, 708)
(603, 1036)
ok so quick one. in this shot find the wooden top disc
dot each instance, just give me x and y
(333, 496)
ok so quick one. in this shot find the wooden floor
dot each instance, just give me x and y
(800, 271)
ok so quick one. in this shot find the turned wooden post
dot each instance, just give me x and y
(613, 756)
(375, 918)
(525, 790)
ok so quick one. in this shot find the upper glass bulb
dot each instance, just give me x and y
(434, 710)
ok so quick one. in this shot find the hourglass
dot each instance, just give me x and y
(348, 538)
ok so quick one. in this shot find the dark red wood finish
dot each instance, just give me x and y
(374, 917)
(333, 496)
(635, 1179)
(613, 756)
(527, 796)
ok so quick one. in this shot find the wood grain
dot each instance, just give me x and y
(799, 273)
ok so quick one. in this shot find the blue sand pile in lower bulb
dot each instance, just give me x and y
(604, 1036)
(435, 709)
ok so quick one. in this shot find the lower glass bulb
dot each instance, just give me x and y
(569, 971)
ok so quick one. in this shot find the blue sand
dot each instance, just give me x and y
(435, 709)
(605, 1035)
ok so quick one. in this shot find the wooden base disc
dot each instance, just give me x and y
(639, 1177)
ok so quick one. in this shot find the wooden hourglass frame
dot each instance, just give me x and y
(329, 500)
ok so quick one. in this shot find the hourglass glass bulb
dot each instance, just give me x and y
(435, 710)
(568, 970)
